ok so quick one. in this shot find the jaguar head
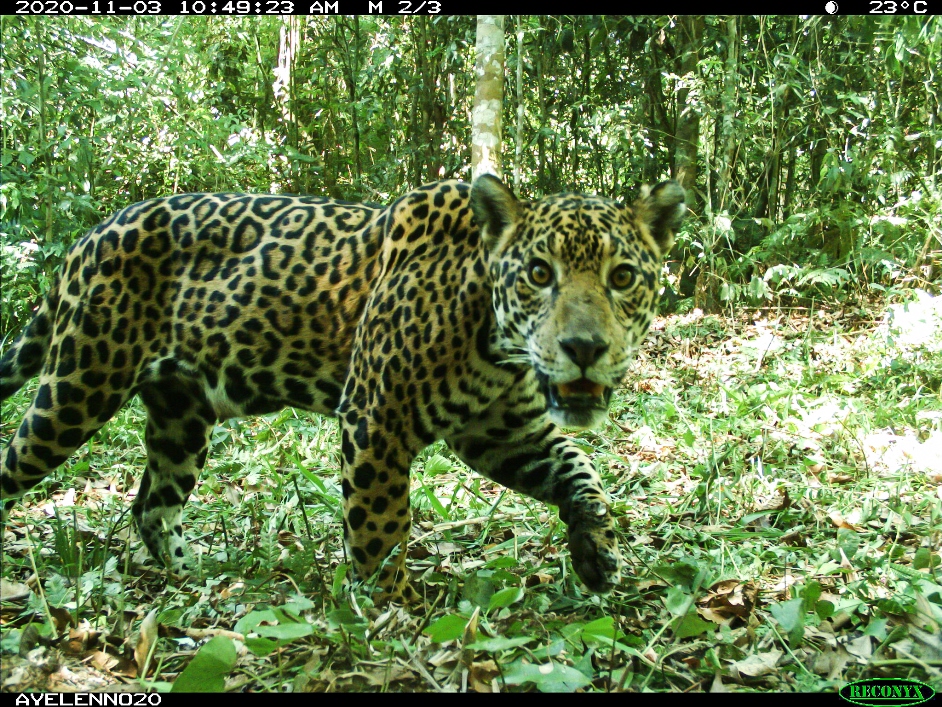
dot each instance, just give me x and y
(575, 280)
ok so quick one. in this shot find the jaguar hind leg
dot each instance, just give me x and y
(64, 414)
(179, 421)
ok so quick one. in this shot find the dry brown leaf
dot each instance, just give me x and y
(146, 639)
(13, 591)
(482, 674)
(62, 618)
(715, 617)
(103, 661)
(727, 599)
(201, 633)
(839, 521)
(861, 648)
(538, 578)
(718, 685)
(845, 564)
(758, 664)
(80, 640)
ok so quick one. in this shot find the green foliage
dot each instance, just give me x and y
(836, 174)
(208, 669)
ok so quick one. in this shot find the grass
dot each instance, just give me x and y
(776, 477)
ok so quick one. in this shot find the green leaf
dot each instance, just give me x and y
(505, 597)
(447, 628)
(285, 631)
(299, 604)
(548, 677)
(247, 623)
(261, 646)
(603, 628)
(876, 628)
(790, 617)
(478, 590)
(494, 645)
(677, 601)
(346, 618)
(809, 595)
(170, 617)
(339, 574)
(208, 670)
(548, 651)
(435, 503)
(437, 464)
(922, 559)
(682, 572)
(692, 625)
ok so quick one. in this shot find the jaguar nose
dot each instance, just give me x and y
(583, 352)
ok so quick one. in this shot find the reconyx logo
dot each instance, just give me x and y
(887, 691)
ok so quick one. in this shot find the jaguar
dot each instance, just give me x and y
(457, 313)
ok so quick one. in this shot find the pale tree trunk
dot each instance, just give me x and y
(488, 96)
(518, 138)
(283, 88)
(728, 136)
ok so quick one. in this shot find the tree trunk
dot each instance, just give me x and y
(727, 136)
(687, 125)
(518, 138)
(284, 90)
(488, 96)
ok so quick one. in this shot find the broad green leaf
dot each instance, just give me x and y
(790, 617)
(299, 604)
(548, 677)
(437, 464)
(922, 559)
(677, 601)
(601, 628)
(447, 628)
(493, 645)
(505, 597)
(208, 669)
(876, 628)
(261, 646)
(809, 595)
(247, 623)
(478, 590)
(170, 617)
(346, 618)
(285, 632)
(692, 625)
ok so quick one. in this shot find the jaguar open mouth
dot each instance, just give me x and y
(578, 403)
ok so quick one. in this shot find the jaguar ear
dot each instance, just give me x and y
(495, 209)
(662, 210)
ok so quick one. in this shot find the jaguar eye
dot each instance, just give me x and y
(621, 278)
(541, 274)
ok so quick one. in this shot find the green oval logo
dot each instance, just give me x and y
(887, 691)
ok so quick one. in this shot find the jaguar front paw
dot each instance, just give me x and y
(593, 547)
